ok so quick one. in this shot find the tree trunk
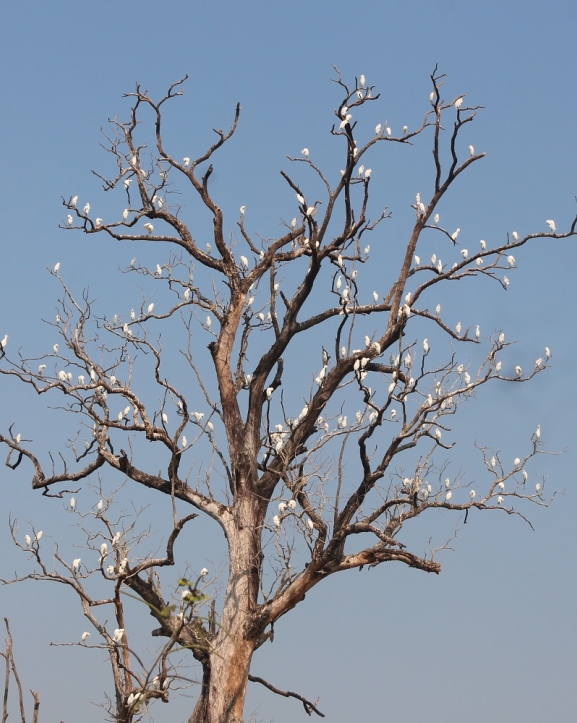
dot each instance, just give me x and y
(226, 675)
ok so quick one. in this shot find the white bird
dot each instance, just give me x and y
(186, 161)
(242, 210)
(4, 342)
(471, 150)
(87, 209)
(425, 346)
(547, 352)
(208, 322)
(165, 418)
(464, 253)
(158, 270)
(538, 432)
(375, 297)
(74, 201)
(100, 505)
(551, 225)
(448, 496)
(405, 129)
(432, 96)
(311, 524)
(132, 314)
(517, 461)
(184, 442)
(72, 503)
(515, 235)
(98, 222)
(362, 81)
(103, 549)
(378, 129)
(118, 633)
(244, 261)
(472, 494)
(133, 262)
(518, 371)
(276, 520)
(125, 214)
(27, 540)
(455, 234)
(149, 227)
(305, 152)
(204, 572)
(300, 199)
(281, 505)
(458, 327)
(458, 103)
(501, 484)
(126, 183)
(292, 504)
(84, 636)
(367, 249)
(537, 488)
(57, 268)
(417, 260)
(76, 564)
(477, 332)
(483, 244)
(436, 219)
(389, 131)
(499, 500)
(368, 173)
(39, 535)
(70, 220)
(269, 392)
(150, 308)
(511, 260)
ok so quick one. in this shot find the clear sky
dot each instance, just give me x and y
(494, 636)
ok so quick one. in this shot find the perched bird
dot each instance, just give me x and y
(76, 564)
(41, 368)
(378, 129)
(74, 201)
(244, 261)
(515, 235)
(208, 322)
(518, 371)
(362, 81)
(471, 150)
(425, 346)
(405, 129)
(149, 227)
(483, 244)
(184, 442)
(432, 96)
(118, 633)
(87, 209)
(242, 210)
(472, 494)
(70, 220)
(551, 225)
(72, 503)
(98, 222)
(511, 260)
(186, 161)
(454, 235)
(458, 103)
(4, 341)
(305, 152)
(57, 268)
(464, 253)
(477, 332)
(84, 636)
(204, 572)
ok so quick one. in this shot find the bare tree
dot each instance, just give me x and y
(301, 489)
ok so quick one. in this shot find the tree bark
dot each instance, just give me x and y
(226, 673)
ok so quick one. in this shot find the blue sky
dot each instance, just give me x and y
(493, 637)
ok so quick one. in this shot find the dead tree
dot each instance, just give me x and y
(380, 399)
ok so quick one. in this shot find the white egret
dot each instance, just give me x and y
(127, 330)
(125, 214)
(375, 297)
(511, 260)
(158, 270)
(417, 260)
(276, 520)
(269, 392)
(126, 183)
(438, 309)
(41, 368)
(244, 261)
(362, 81)
(498, 366)
(515, 235)
(98, 222)
(432, 96)
(477, 332)
(70, 220)
(86, 209)
(76, 564)
(186, 161)
(27, 540)
(405, 129)
(74, 201)
(389, 131)
(517, 461)
(311, 524)
(537, 488)
(133, 262)
(538, 432)
(149, 227)
(305, 152)
(103, 549)
(499, 500)
(150, 308)
(472, 494)
(505, 281)
(483, 244)
(448, 496)
(132, 314)
(367, 249)
(242, 210)
(425, 346)
(300, 199)
(455, 234)
(204, 572)
(118, 633)
(436, 219)
(186, 294)
(547, 352)
(165, 418)
(100, 505)
(471, 150)
(434, 259)
(438, 433)
(184, 442)
(39, 535)
(393, 413)
(502, 337)
(84, 636)
(4, 342)
(551, 225)
(464, 253)
(292, 504)
(518, 371)
(57, 268)
(458, 103)
(378, 129)
(368, 172)
(72, 503)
